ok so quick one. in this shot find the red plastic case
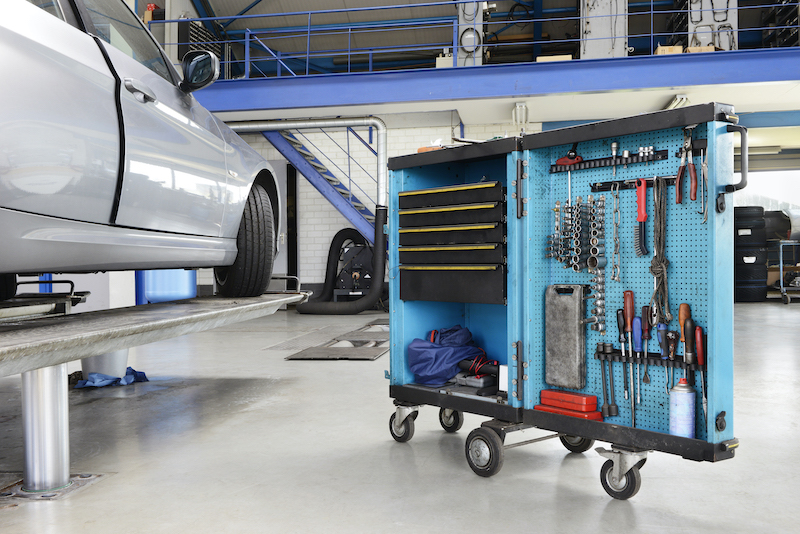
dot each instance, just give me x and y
(571, 401)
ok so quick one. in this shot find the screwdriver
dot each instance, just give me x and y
(672, 344)
(646, 326)
(661, 332)
(621, 328)
(701, 360)
(637, 347)
(628, 309)
(689, 354)
(684, 312)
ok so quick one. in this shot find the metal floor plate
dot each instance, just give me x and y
(339, 353)
(13, 494)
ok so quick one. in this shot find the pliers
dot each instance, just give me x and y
(686, 161)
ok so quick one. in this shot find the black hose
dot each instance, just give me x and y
(320, 307)
(334, 253)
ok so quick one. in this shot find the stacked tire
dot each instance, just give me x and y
(750, 254)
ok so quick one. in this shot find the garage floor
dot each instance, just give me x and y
(230, 437)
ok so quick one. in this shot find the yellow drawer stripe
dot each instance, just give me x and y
(448, 228)
(460, 207)
(448, 267)
(490, 246)
(466, 187)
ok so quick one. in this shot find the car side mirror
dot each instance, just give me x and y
(200, 69)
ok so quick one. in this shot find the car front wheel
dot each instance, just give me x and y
(251, 271)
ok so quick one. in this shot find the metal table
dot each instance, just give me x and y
(784, 290)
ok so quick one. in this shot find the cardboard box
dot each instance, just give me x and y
(695, 49)
(661, 50)
(562, 57)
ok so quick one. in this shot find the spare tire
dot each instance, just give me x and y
(751, 256)
(748, 212)
(251, 271)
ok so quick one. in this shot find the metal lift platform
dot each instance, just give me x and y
(40, 341)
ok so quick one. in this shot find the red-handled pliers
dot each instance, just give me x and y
(686, 161)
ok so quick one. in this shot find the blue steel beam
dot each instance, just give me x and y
(242, 12)
(504, 81)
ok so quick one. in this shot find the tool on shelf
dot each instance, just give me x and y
(646, 326)
(628, 314)
(701, 361)
(621, 329)
(613, 409)
(704, 186)
(661, 332)
(616, 219)
(686, 161)
(614, 149)
(640, 231)
(637, 347)
(672, 346)
(659, 263)
(603, 409)
(689, 354)
(684, 312)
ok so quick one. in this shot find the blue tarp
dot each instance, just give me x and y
(98, 380)
(435, 362)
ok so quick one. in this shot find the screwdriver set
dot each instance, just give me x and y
(618, 278)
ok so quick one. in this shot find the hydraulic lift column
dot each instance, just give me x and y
(45, 422)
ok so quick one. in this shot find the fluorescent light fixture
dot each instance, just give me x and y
(678, 101)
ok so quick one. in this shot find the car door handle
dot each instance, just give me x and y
(142, 93)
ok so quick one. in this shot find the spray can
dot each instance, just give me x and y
(681, 409)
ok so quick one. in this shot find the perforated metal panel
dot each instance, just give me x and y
(688, 249)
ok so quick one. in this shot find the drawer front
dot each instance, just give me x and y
(452, 195)
(453, 283)
(456, 214)
(454, 234)
(485, 253)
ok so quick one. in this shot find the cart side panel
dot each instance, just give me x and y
(720, 331)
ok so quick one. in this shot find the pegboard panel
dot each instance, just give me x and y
(688, 242)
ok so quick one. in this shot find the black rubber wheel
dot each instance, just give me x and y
(452, 422)
(750, 237)
(627, 488)
(250, 273)
(406, 430)
(750, 274)
(8, 286)
(786, 299)
(484, 451)
(576, 443)
(743, 293)
(749, 223)
(750, 256)
(748, 212)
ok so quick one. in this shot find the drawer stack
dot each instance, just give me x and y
(452, 244)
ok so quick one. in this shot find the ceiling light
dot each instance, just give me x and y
(678, 101)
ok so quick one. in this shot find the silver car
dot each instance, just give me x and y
(107, 161)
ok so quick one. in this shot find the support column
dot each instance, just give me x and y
(45, 421)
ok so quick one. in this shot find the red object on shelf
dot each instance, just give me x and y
(580, 402)
(594, 416)
(152, 7)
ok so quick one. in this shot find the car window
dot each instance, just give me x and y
(51, 6)
(118, 26)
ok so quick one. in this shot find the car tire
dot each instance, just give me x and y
(8, 286)
(251, 271)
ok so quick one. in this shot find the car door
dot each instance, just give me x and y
(175, 175)
(59, 132)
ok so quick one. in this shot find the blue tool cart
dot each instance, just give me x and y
(547, 248)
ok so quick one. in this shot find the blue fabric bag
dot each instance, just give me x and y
(435, 362)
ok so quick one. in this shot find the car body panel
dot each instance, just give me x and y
(186, 174)
(59, 142)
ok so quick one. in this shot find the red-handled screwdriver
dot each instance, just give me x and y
(701, 361)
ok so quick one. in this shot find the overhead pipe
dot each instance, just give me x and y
(381, 202)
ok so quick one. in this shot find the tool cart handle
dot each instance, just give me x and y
(743, 182)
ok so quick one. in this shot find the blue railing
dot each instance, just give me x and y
(307, 43)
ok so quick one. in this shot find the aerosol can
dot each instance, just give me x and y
(681, 409)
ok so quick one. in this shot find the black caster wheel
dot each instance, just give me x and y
(406, 431)
(576, 443)
(786, 298)
(484, 450)
(625, 488)
(451, 422)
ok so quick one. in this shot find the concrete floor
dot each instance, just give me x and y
(230, 437)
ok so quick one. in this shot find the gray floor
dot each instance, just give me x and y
(230, 437)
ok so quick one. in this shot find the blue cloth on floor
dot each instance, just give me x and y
(98, 380)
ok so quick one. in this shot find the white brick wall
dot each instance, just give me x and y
(318, 220)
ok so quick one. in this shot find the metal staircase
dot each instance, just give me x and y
(332, 188)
